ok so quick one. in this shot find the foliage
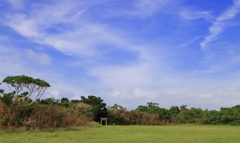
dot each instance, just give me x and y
(49, 101)
(83, 108)
(94, 124)
(152, 114)
(118, 115)
(38, 116)
(24, 86)
(115, 114)
(18, 110)
(1, 90)
(98, 106)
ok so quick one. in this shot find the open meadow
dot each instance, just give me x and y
(128, 134)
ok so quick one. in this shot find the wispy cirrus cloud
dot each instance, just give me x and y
(122, 51)
(220, 23)
(196, 15)
(77, 34)
(189, 42)
(40, 58)
(20, 59)
(42, 26)
(140, 9)
(149, 7)
(17, 4)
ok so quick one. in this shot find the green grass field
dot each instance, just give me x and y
(129, 134)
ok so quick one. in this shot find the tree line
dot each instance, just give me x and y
(24, 108)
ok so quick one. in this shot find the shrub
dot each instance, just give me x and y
(37, 116)
(94, 124)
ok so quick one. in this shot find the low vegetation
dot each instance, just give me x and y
(37, 116)
(18, 110)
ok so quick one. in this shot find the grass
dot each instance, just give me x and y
(128, 134)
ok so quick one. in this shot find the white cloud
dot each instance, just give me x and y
(189, 42)
(41, 58)
(77, 14)
(141, 8)
(148, 7)
(115, 93)
(10, 61)
(23, 26)
(196, 15)
(17, 4)
(15, 61)
(152, 77)
(3, 38)
(54, 94)
(122, 75)
(80, 39)
(219, 24)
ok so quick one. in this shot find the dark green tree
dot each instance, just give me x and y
(150, 108)
(183, 108)
(98, 106)
(117, 108)
(115, 115)
(75, 101)
(142, 108)
(49, 101)
(65, 102)
(174, 110)
(7, 98)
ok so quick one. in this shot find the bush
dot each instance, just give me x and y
(37, 116)
(94, 124)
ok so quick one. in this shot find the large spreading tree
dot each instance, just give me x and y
(24, 87)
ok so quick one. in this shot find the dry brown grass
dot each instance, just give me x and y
(138, 118)
(36, 117)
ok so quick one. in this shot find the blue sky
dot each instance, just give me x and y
(179, 52)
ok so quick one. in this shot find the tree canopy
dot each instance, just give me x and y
(23, 87)
(98, 106)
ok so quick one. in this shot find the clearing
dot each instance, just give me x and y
(128, 134)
